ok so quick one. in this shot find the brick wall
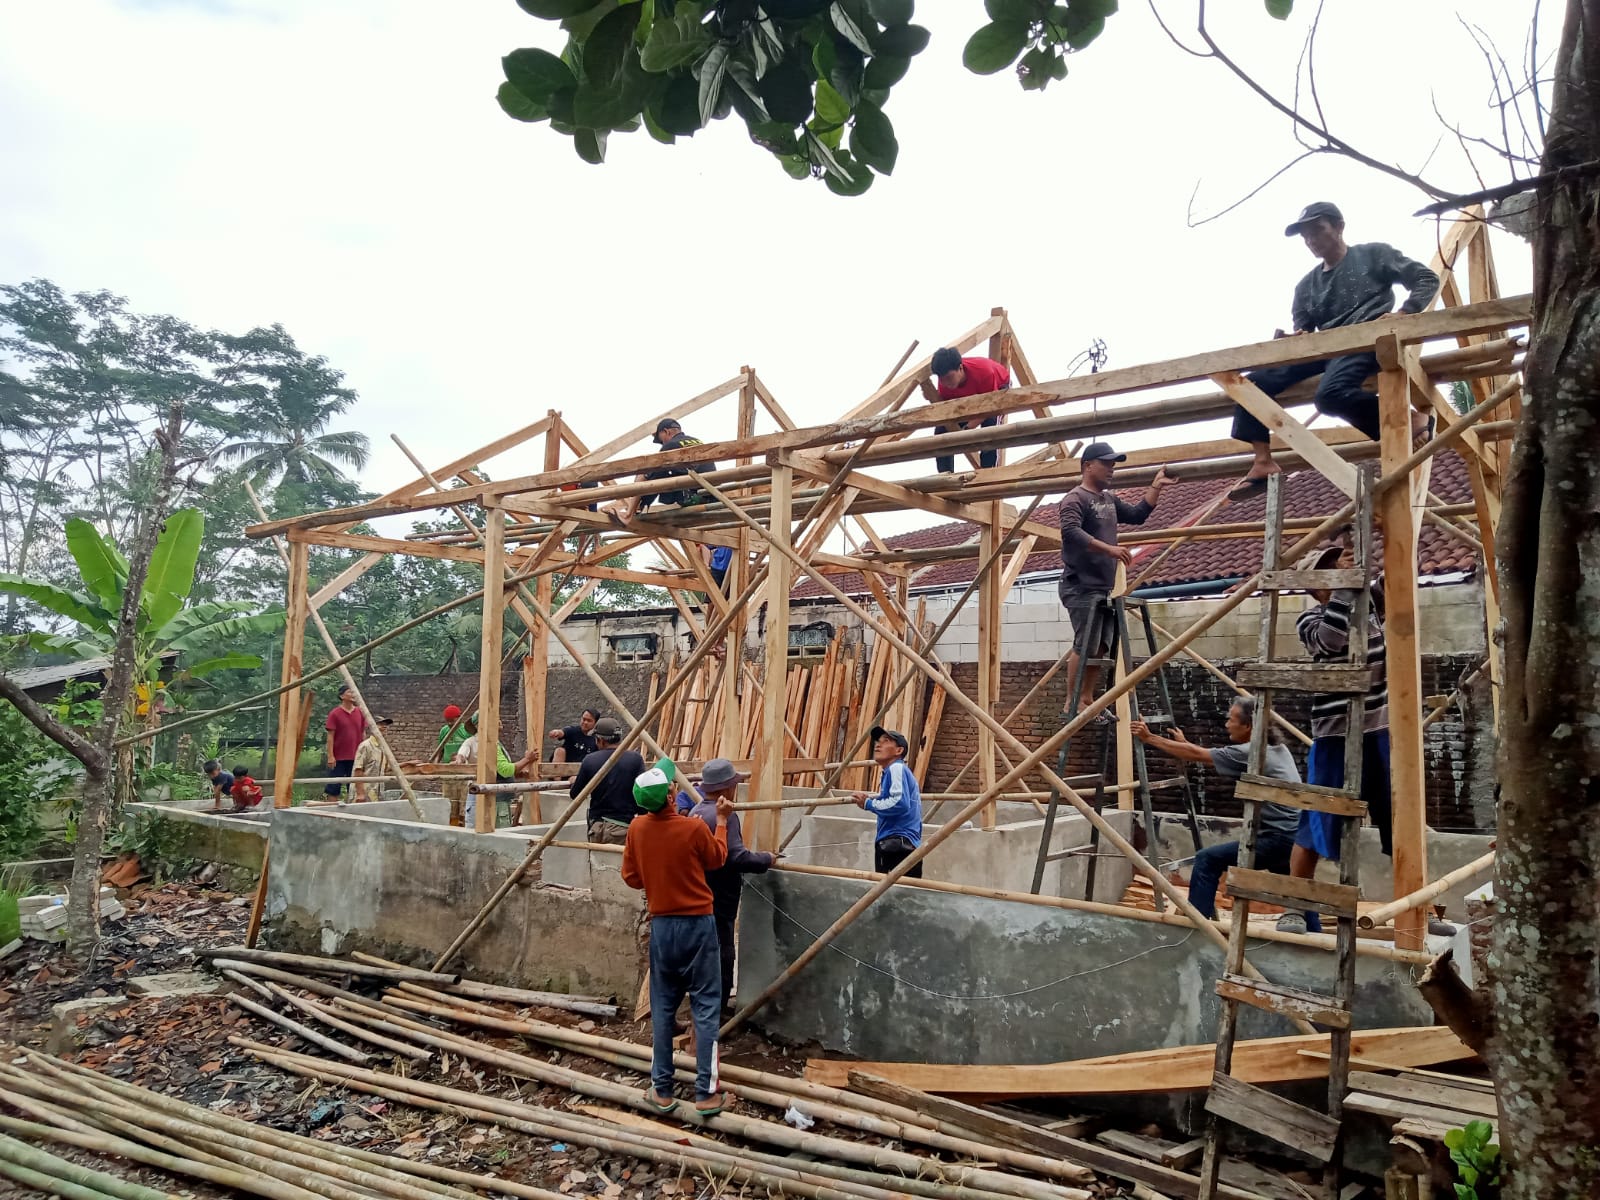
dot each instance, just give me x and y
(1459, 748)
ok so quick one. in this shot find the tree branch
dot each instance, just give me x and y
(1253, 192)
(1457, 1005)
(46, 723)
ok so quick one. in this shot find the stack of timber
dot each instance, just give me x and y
(829, 703)
(872, 1140)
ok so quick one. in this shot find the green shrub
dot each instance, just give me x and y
(33, 772)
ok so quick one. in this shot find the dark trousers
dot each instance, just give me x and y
(683, 962)
(890, 853)
(725, 912)
(1340, 393)
(945, 464)
(343, 767)
(1272, 854)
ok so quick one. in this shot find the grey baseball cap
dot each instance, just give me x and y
(718, 773)
(1313, 212)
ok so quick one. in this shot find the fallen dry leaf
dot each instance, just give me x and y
(210, 1068)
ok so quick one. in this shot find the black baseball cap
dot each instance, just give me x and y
(1102, 450)
(662, 426)
(899, 739)
(1312, 212)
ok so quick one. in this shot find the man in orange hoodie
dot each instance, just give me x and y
(667, 856)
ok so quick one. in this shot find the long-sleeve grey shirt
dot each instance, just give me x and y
(1361, 288)
(1093, 516)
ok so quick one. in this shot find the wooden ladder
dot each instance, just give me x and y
(1315, 1134)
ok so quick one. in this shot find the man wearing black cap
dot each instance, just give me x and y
(897, 805)
(611, 805)
(957, 377)
(1354, 284)
(1090, 514)
(669, 435)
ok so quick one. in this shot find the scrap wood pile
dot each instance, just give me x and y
(828, 704)
(412, 1038)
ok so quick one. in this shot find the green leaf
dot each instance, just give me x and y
(855, 180)
(849, 68)
(796, 166)
(793, 10)
(872, 139)
(884, 71)
(537, 74)
(172, 565)
(655, 130)
(99, 564)
(75, 606)
(1014, 12)
(605, 49)
(582, 25)
(849, 19)
(555, 10)
(227, 630)
(994, 47)
(678, 109)
(223, 662)
(675, 43)
(776, 137)
(1279, 10)
(785, 90)
(832, 108)
(823, 58)
(590, 145)
(1035, 68)
(902, 41)
(713, 68)
(1083, 26)
(891, 12)
(514, 104)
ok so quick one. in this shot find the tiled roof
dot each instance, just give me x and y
(1307, 494)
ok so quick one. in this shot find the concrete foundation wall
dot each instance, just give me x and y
(930, 977)
(193, 832)
(342, 882)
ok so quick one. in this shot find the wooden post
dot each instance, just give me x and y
(536, 666)
(1408, 781)
(494, 620)
(297, 602)
(998, 351)
(989, 616)
(1124, 710)
(733, 652)
(747, 412)
(767, 779)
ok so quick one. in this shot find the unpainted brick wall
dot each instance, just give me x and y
(1460, 747)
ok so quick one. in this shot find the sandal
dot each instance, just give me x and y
(1249, 489)
(655, 1103)
(722, 1102)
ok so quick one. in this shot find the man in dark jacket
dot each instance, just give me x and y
(719, 779)
(611, 805)
(1353, 284)
(669, 435)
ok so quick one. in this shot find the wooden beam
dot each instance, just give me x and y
(345, 578)
(990, 616)
(767, 782)
(489, 654)
(1293, 433)
(295, 605)
(892, 389)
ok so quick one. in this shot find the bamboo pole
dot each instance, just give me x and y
(1383, 914)
(49, 1173)
(330, 966)
(1033, 760)
(299, 1030)
(328, 1018)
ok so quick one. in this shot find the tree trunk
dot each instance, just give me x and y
(1543, 964)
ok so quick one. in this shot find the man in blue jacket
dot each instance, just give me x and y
(898, 804)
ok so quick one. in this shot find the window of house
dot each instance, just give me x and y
(633, 647)
(810, 641)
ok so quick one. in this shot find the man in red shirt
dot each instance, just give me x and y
(346, 727)
(667, 856)
(958, 377)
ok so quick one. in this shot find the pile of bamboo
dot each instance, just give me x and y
(828, 705)
(743, 1147)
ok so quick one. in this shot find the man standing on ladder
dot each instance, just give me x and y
(1324, 630)
(1090, 514)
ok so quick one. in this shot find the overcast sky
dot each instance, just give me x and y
(341, 166)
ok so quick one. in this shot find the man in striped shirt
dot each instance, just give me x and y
(1324, 630)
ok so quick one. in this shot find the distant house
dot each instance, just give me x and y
(45, 684)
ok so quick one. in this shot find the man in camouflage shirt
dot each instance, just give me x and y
(1354, 284)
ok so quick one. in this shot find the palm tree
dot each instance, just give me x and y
(285, 438)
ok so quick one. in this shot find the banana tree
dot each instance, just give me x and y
(167, 624)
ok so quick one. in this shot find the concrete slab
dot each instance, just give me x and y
(67, 1018)
(174, 983)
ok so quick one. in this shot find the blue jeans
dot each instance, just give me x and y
(1272, 854)
(685, 961)
(1339, 394)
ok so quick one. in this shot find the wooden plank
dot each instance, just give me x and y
(1292, 432)
(490, 652)
(1396, 1109)
(1184, 1155)
(1306, 677)
(1335, 899)
(1149, 1149)
(645, 428)
(1425, 1091)
(1260, 1111)
(767, 783)
(983, 1123)
(1305, 581)
(1180, 1068)
(1299, 795)
(297, 605)
(1284, 1000)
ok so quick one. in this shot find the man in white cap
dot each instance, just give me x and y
(1353, 284)
(718, 780)
(667, 856)
(1089, 515)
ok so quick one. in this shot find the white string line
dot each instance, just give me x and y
(860, 962)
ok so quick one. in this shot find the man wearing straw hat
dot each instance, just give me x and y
(720, 779)
(667, 856)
